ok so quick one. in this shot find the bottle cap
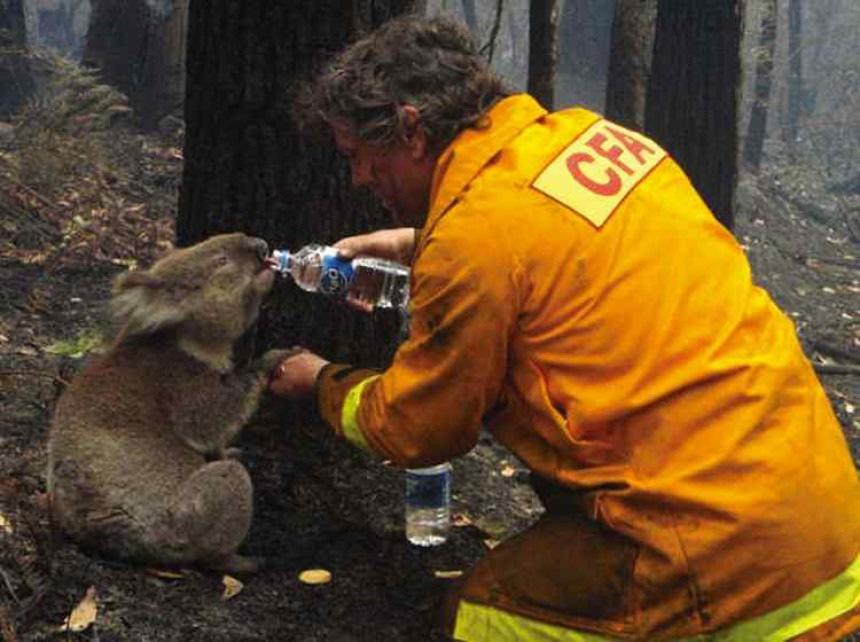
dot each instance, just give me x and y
(281, 260)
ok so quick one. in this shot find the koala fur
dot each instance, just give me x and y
(137, 466)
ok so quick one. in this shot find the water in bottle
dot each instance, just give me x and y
(381, 283)
(373, 281)
(428, 504)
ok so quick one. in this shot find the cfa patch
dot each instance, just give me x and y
(593, 174)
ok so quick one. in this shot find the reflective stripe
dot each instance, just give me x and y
(479, 622)
(822, 604)
(349, 414)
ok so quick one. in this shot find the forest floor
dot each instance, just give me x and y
(82, 200)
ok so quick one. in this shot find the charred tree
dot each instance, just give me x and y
(763, 55)
(140, 50)
(795, 71)
(16, 80)
(630, 61)
(116, 41)
(161, 88)
(543, 50)
(584, 43)
(692, 94)
(471, 16)
(247, 167)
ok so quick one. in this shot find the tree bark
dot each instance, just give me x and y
(116, 41)
(763, 55)
(630, 61)
(795, 71)
(161, 90)
(141, 52)
(543, 50)
(692, 94)
(471, 16)
(247, 167)
(16, 80)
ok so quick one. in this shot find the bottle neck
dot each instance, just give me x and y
(283, 260)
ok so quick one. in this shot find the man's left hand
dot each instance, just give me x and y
(296, 375)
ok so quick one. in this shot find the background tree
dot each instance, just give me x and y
(248, 168)
(795, 71)
(139, 48)
(471, 16)
(692, 94)
(630, 61)
(16, 81)
(763, 56)
(584, 31)
(543, 50)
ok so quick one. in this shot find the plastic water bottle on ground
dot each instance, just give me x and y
(319, 268)
(428, 504)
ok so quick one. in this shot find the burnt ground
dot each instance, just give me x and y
(319, 504)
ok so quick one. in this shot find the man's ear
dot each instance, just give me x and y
(414, 134)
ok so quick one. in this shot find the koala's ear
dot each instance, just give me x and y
(142, 302)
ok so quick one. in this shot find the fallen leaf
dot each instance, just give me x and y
(5, 526)
(83, 614)
(460, 519)
(76, 348)
(508, 471)
(164, 574)
(315, 576)
(232, 587)
(491, 543)
(447, 575)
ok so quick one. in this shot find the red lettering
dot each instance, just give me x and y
(611, 154)
(608, 188)
(633, 145)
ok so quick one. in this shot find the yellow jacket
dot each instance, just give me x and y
(571, 291)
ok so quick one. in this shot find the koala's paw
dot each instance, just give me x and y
(267, 364)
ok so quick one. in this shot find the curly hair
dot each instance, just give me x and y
(429, 63)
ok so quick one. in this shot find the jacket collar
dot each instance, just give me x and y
(474, 147)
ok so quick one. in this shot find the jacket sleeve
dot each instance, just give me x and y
(428, 406)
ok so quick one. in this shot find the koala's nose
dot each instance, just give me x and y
(261, 248)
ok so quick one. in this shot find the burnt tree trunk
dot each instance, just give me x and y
(116, 42)
(141, 52)
(16, 80)
(630, 61)
(543, 50)
(247, 167)
(161, 90)
(763, 55)
(471, 16)
(795, 71)
(692, 94)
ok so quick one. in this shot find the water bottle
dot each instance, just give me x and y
(319, 268)
(428, 504)
(384, 284)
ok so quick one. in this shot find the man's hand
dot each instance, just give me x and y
(296, 375)
(395, 245)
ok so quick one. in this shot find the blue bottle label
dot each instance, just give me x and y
(336, 275)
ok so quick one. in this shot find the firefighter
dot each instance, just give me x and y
(571, 292)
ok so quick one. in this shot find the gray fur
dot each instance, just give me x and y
(137, 466)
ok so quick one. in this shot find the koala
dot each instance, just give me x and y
(139, 467)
